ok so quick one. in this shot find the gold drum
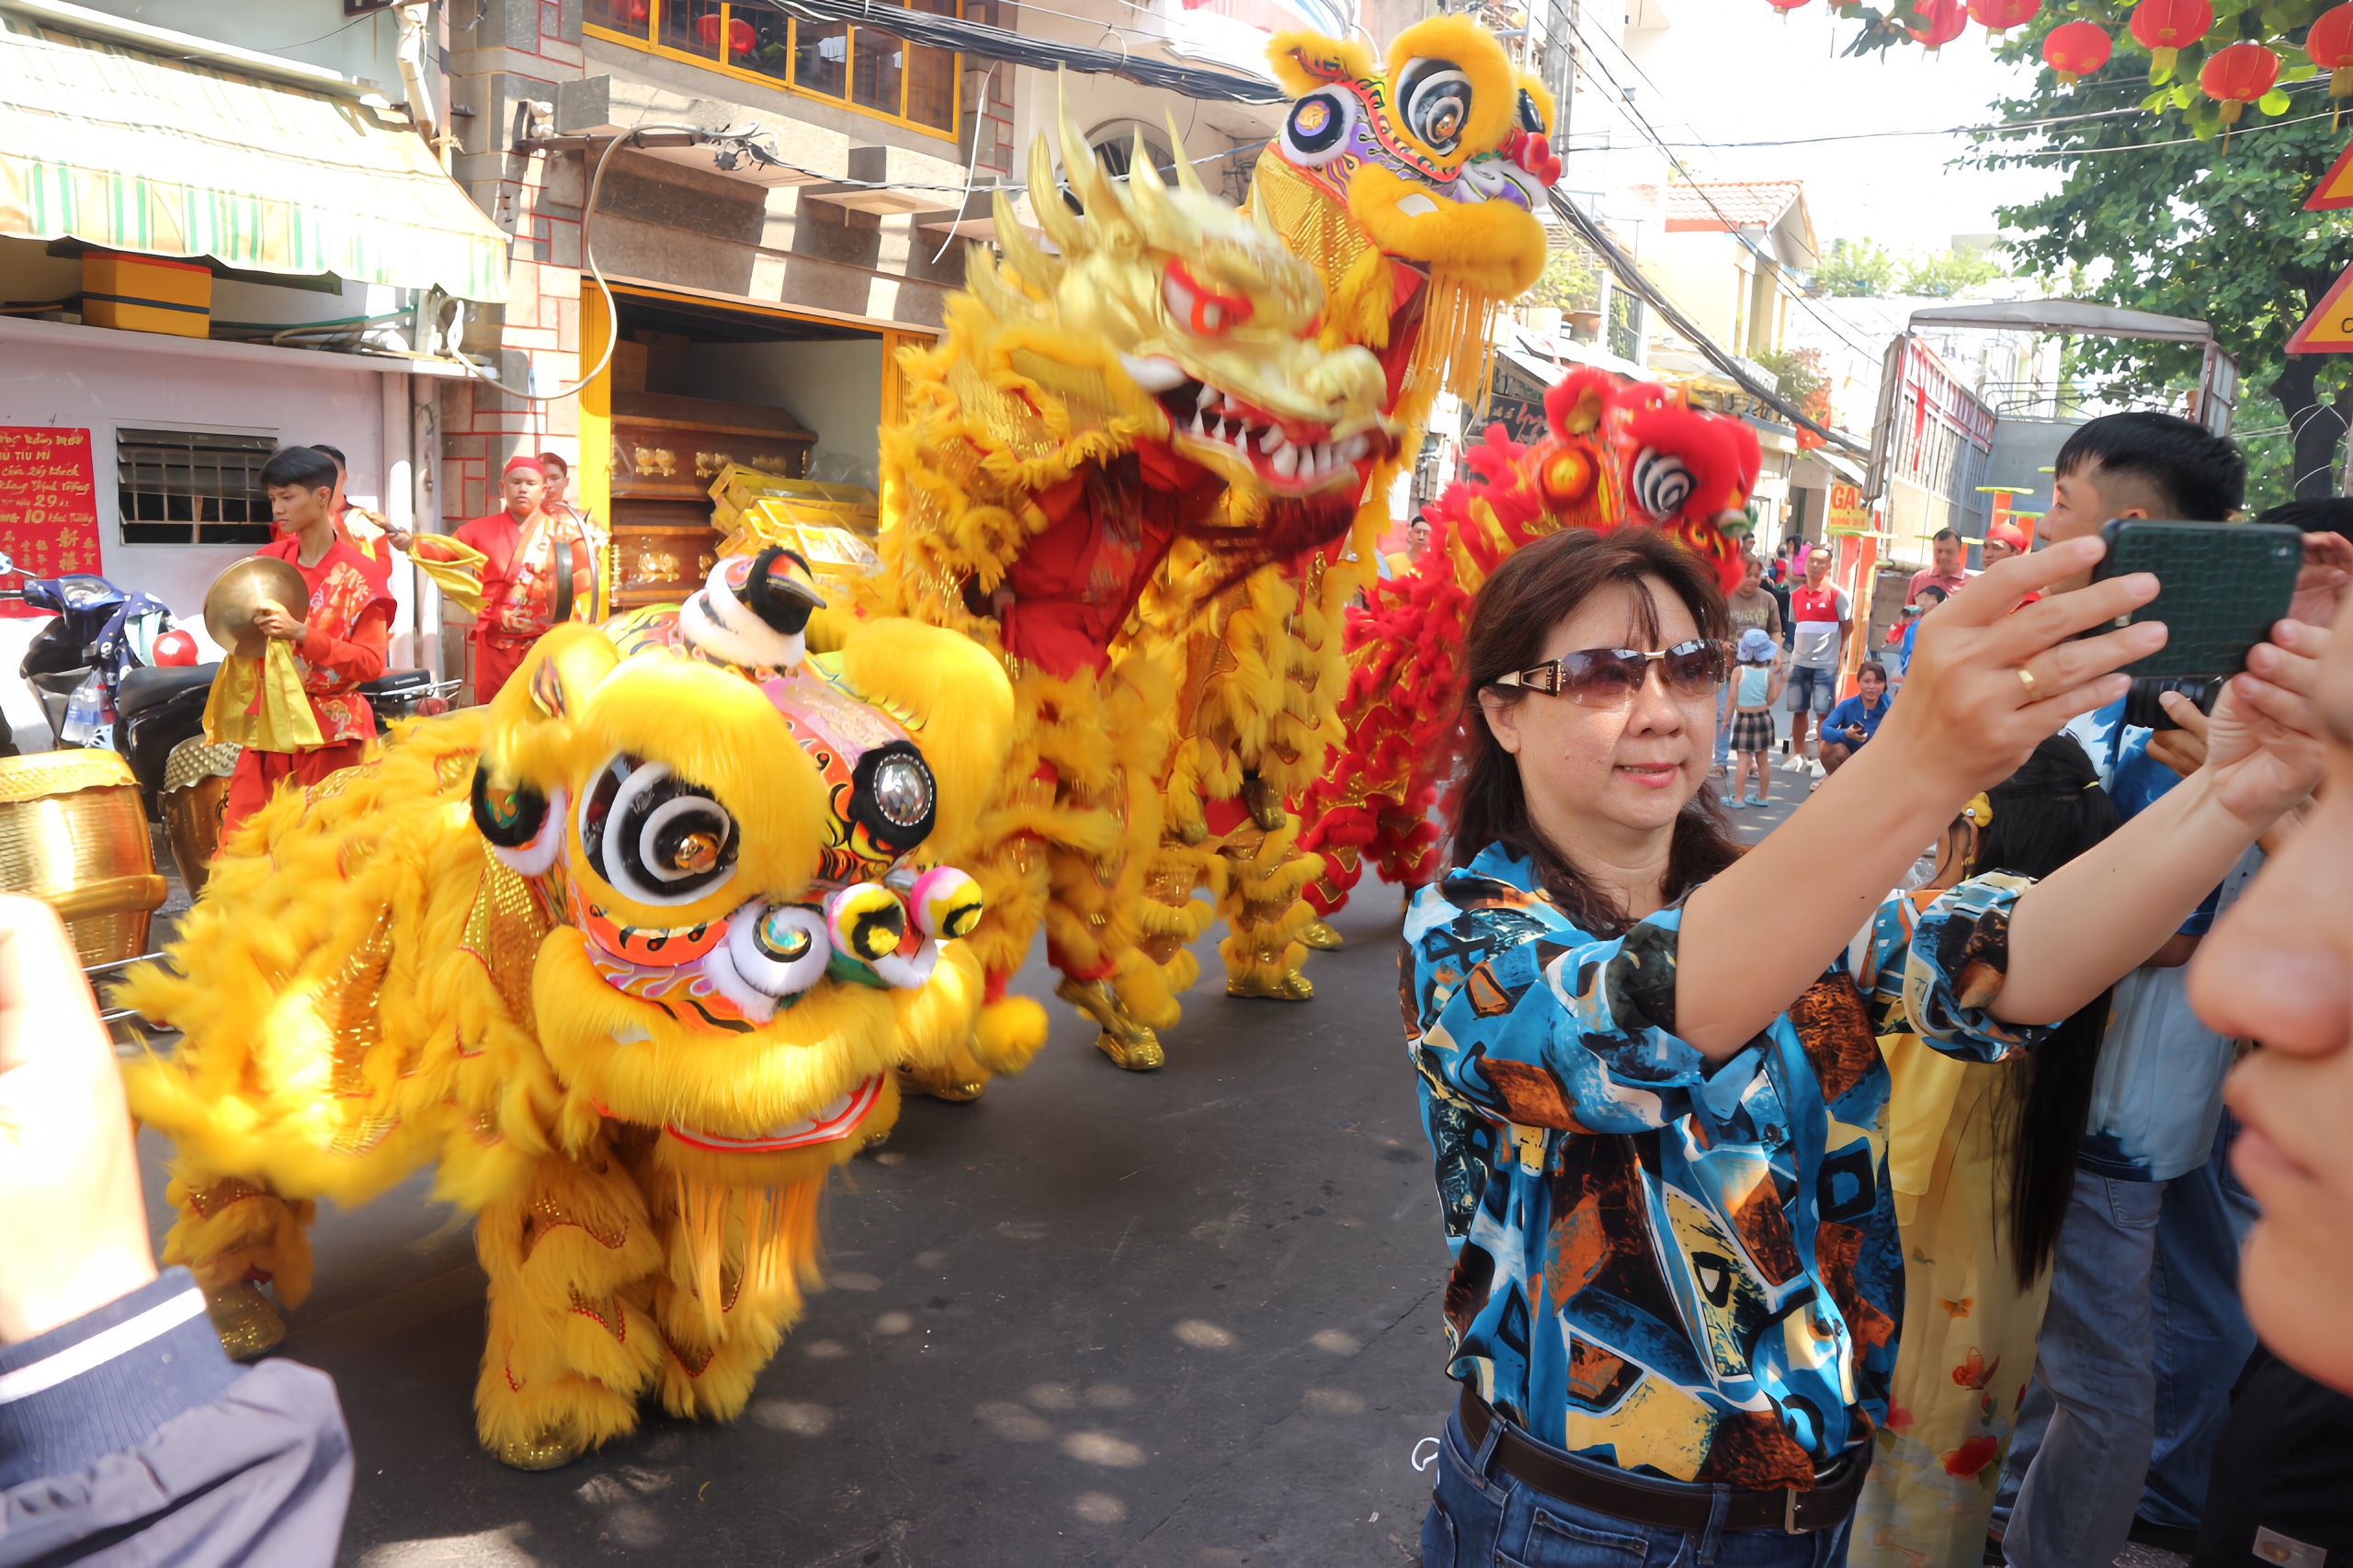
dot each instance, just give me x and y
(196, 792)
(74, 833)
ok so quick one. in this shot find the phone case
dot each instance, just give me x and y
(2220, 588)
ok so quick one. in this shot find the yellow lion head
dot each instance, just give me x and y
(1436, 159)
(735, 835)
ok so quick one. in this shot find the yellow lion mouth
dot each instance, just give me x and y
(1287, 456)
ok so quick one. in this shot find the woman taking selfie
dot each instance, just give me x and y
(1649, 1081)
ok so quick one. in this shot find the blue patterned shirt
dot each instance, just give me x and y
(1681, 1267)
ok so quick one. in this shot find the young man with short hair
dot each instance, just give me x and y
(336, 637)
(2119, 1324)
(1821, 615)
(362, 529)
(1947, 550)
(519, 572)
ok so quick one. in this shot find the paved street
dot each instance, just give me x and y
(1185, 1318)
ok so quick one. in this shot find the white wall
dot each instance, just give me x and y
(95, 379)
(834, 389)
(316, 32)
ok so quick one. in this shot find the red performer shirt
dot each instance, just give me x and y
(345, 630)
(519, 573)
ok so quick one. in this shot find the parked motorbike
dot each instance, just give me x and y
(75, 664)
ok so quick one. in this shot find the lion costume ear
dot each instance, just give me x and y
(517, 794)
(952, 695)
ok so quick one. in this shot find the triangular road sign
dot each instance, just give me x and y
(2336, 188)
(2329, 329)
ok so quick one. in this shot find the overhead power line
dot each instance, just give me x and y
(984, 42)
(1627, 273)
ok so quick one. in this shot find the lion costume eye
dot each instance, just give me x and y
(1434, 100)
(1531, 116)
(1661, 484)
(655, 837)
(1317, 129)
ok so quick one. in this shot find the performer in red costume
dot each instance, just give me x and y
(519, 572)
(337, 639)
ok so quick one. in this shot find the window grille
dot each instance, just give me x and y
(192, 486)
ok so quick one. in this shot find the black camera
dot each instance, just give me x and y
(2141, 706)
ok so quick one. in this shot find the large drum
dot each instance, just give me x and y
(195, 793)
(73, 833)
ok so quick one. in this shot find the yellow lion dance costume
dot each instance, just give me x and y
(1159, 379)
(1410, 187)
(627, 956)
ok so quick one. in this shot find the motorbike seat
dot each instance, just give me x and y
(393, 683)
(152, 685)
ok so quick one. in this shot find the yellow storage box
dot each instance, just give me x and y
(146, 293)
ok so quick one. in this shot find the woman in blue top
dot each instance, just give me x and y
(1853, 720)
(1650, 1085)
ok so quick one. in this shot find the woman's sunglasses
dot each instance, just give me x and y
(1608, 678)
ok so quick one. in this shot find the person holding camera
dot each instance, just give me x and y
(126, 1434)
(1657, 1123)
(2141, 1319)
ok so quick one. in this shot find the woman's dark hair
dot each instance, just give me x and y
(2045, 814)
(1515, 612)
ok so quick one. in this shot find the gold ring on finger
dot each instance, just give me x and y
(2026, 678)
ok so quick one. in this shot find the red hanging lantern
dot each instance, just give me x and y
(1946, 18)
(2075, 49)
(2235, 77)
(2330, 44)
(1785, 6)
(2000, 16)
(2165, 28)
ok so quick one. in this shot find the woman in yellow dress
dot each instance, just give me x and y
(1981, 1156)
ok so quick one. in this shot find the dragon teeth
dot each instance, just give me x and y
(1285, 463)
(1200, 431)
(1208, 395)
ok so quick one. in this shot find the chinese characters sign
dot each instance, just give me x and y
(48, 514)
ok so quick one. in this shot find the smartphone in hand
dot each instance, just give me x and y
(2220, 588)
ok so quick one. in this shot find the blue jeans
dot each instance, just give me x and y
(2203, 1339)
(2095, 1386)
(1479, 1515)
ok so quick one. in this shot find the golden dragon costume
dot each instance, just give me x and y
(628, 956)
(1411, 187)
(1612, 454)
(1160, 378)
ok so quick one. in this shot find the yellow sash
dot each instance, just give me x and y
(260, 703)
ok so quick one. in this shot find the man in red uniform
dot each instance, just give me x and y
(519, 572)
(337, 638)
(362, 529)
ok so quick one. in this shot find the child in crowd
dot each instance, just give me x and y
(1747, 713)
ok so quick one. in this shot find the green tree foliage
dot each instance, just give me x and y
(1854, 270)
(1947, 273)
(1570, 281)
(2153, 214)
(1805, 377)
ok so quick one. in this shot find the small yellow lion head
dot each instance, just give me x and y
(1443, 157)
(735, 835)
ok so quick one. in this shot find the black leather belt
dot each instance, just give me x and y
(1671, 1505)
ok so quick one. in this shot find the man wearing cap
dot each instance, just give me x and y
(2002, 540)
(519, 572)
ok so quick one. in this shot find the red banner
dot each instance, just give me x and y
(48, 507)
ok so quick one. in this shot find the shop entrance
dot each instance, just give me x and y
(698, 386)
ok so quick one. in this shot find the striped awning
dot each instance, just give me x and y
(133, 152)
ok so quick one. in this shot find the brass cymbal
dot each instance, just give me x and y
(239, 593)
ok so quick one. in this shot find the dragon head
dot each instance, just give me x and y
(1166, 319)
(733, 837)
(1435, 160)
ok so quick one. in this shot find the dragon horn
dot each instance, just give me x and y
(1147, 196)
(1095, 193)
(1053, 214)
(1188, 176)
(998, 292)
(1022, 254)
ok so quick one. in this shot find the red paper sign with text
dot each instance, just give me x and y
(49, 505)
